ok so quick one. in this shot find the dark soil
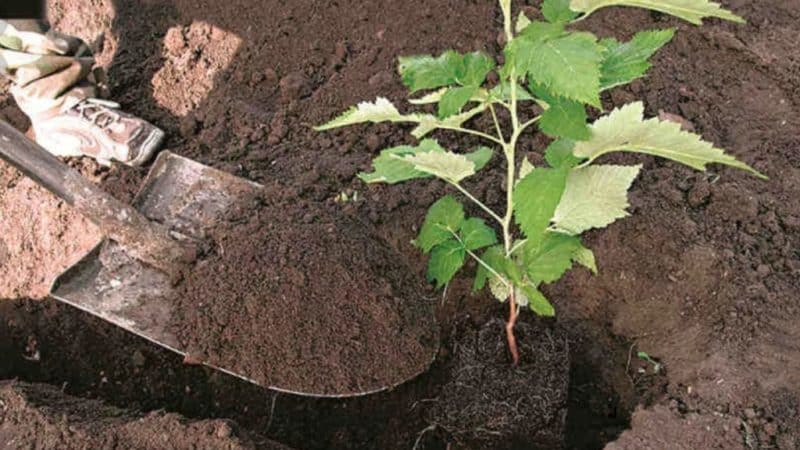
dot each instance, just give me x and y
(487, 403)
(41, 416)
(703, 277)
(306, 300)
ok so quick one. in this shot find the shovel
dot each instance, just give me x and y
(129, 279)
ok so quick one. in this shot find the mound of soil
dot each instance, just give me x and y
(661, 427)
(308, 301)
(43, 417)
(488, 403)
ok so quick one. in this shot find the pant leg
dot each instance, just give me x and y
(47, 70)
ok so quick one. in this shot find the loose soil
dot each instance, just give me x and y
(703, 277)
(487, 403)
(306, 300)
(43, 417)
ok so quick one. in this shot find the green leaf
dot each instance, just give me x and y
(625, 62)
(566, 65)
(443, 219)
(585, 257)
(537, 302)
(446, 259)
(455, 99)
(426, 72)
(559, 154)
(594, 197)
(535, 200)
(494, 257)
(548, 260)
(429, 122)
(381, 110)
(522, 22)
(562, 117)
(448, 166)
(557, 11)
(693, 11)
(390, 167)
(480, 157)
(476, 66)
(475, 234)
(625, 129)
(502, 92)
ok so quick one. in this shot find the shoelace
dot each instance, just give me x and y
(99, 112)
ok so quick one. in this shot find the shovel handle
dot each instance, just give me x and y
(143, 239)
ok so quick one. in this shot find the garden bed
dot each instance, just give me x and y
(703, 278)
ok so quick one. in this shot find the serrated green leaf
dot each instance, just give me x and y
(625, 62)
(475, 234)
(443, 219)
(381, 110)
(557, 11)
(559, 154)
(567, 65)
(535, 200)
(422, 72)
(585, 257)
(548, 260)
(445, 165)
(625, 129)
(428, 72)
(455, 99)
(480, 157)
(693, 11)
(494, 257)
(522, 22)
(502, 92)
(594, 197)
(562, 117)
(429, 122)
(537, 302)
(476, 66)
(390, 167)
(446, 259)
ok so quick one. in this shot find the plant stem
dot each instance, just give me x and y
(467, 194)
(509, 149)
(512, 320)
(474, 133)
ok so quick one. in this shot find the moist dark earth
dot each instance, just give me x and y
(703, 277)
(291, 282)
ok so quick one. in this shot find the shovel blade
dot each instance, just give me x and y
(182, 194)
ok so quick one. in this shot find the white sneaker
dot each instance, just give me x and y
(98, 129)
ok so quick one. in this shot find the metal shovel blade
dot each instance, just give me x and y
(191, 199)
(182, 194)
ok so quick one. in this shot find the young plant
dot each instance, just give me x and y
(551, 73)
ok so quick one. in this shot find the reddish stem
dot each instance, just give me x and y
(512, 320)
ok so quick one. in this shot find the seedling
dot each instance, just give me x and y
(551, 73)
(644, 356)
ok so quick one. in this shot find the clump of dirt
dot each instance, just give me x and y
(306, 300)
(664, 427)
(489, 403)
(43, 417)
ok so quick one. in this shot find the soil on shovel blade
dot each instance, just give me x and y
(305, 300)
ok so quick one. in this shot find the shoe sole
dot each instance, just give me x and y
(149, 147)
